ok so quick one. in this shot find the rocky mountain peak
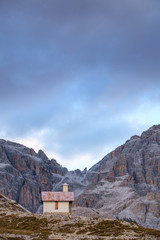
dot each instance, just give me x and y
(151, 131)
(124, 184)
(42, 155)
(25, 173)
(155, 127)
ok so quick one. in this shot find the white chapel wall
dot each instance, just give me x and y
(50, 207)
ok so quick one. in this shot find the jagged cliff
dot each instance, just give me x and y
(126, 182)
(25, 173)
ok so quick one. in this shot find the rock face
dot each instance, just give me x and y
(25, 173)
(126, 182)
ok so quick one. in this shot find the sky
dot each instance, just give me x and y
(78, 77)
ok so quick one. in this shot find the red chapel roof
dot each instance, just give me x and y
(58, 196)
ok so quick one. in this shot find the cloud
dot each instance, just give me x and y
(80, 69)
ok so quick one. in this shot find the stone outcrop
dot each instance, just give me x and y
(25, 173)
(126, 182)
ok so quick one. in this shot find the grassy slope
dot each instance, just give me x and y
(16, 223)
(41, 228)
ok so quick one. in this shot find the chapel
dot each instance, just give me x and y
(54, 202)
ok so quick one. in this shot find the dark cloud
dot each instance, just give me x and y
(78, 68)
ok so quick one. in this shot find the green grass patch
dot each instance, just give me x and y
(40, 228)
(28, 225)
(116, 229)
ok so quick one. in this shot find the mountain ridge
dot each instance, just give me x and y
(25, 173)
(124, 184)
